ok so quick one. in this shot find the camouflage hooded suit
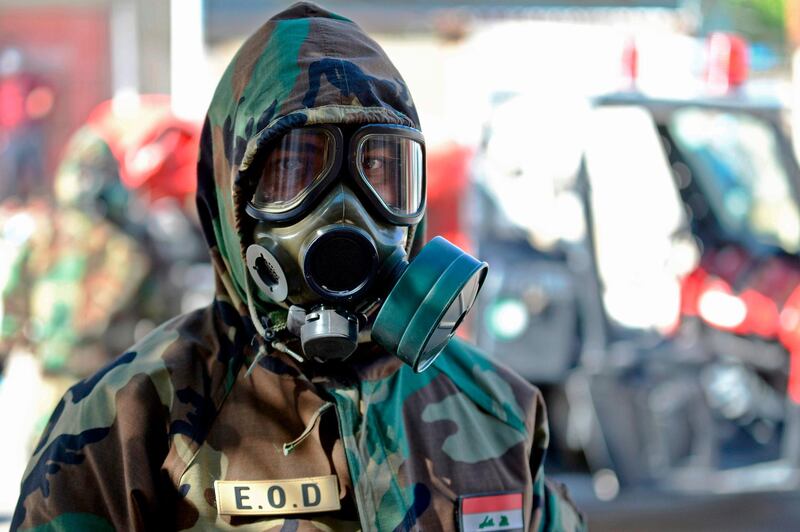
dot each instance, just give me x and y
(139, 445)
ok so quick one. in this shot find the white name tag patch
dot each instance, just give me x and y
(277, 497)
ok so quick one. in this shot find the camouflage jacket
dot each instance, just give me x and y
(140, 445)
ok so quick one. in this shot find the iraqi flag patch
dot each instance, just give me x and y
(482, 513)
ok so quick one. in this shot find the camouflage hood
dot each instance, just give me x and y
(304, 66)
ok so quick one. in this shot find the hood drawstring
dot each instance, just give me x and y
(282, 347)
(251, 308)
(292, 445)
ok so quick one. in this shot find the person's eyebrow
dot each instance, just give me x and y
(309, 145)
(305, 147)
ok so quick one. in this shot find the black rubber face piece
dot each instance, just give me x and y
(340, 263)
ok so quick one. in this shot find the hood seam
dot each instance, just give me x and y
(329, 52)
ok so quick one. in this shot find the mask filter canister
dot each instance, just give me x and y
(428, 303)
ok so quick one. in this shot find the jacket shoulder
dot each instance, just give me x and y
(143, 410)
(467, 354)
(170, 370)
(167, 348)
(489, 385)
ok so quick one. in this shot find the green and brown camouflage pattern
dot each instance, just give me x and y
(139, 445)
(66, 274)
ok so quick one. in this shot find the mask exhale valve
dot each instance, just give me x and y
(328, 334)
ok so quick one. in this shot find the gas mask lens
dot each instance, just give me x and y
(392, 166)
(298, 162)
(386, 162)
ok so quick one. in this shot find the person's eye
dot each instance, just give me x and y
(374, 163)
(290, 165)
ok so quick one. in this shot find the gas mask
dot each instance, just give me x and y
(334, 212)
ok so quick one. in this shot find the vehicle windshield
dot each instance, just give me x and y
(737, 162)
(638, 219)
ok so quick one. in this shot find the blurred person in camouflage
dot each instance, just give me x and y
(286, 403)
(70, 270)
(64, 274)
(86, 273)
(133, 166)
(80, 270)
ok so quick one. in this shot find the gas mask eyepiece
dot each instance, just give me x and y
(385, 163)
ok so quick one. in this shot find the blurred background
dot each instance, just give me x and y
(629, 170)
